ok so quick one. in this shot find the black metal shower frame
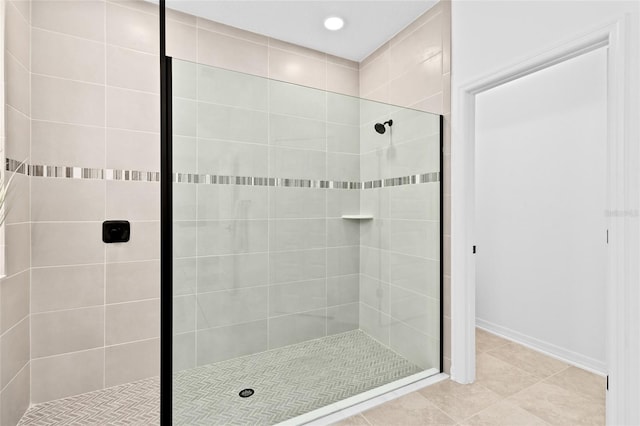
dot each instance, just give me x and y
(166, 229)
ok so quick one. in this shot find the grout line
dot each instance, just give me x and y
(97, 348)
(266, 318)
(92, 83)
(17, 111)
(388, 251)
(503, 399)
(147, 339)
(16, 224)
(326, 202)
(269, 194)
(437, 407)
(124, 6)
(56, 222)
(25, 18)
(26, 365)
(393, 319)
(91, 264)
(9, 277)
(540, 380)
(26, 317)
(246, 40)
(104, 305)
(197, 211)
(200, 20)
(29, 158)
(268, 112)
(266, 285)
(93, 126)
(362, 416)
(301, 51)
(265, 145)
(99, 42)
(23, 66)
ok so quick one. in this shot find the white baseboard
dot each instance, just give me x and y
(562, 354)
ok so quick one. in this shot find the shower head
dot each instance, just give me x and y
(380, 126)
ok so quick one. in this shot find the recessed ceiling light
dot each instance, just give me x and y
(333, 23)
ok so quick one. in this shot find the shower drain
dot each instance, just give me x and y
(246, 393)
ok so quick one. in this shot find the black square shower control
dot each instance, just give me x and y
(116, 231)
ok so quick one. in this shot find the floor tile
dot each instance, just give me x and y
(486, 341)
(526, 359)
(409, 410)
(575, 379)
(559, 406)
(504, 413)
(460, 401)
(501, 377)
(353, 421)
(136, 403)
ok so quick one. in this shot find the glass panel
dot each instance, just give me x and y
(307, 246)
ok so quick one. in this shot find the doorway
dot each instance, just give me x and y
(541, 197)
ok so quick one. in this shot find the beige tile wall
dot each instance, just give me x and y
(413, 70)
(95, 103)
(234, 49)
(14, 289)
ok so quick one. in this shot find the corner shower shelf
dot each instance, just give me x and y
(357, 216)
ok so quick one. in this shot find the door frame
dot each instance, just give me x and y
(622, 187)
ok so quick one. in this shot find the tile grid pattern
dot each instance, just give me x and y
(15, 140)
(94, 103)
(282, 262)
(400, 247)
(412, 70)
(514, 386)
(288, 382)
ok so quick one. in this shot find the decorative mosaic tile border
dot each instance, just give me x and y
(80, 172)
(303, 183)
(206, 179)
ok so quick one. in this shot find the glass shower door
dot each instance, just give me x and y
(306, 247)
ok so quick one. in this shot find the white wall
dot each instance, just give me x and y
(489, 36)
(540, 209)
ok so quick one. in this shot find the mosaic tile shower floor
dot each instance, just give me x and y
(288, 382)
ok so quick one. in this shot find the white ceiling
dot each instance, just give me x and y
(368, 24)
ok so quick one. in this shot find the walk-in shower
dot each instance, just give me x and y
(306, 251)
(208, 214)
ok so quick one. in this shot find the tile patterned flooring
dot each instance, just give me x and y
(515, 386)
(134, 403)
(288, 382)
